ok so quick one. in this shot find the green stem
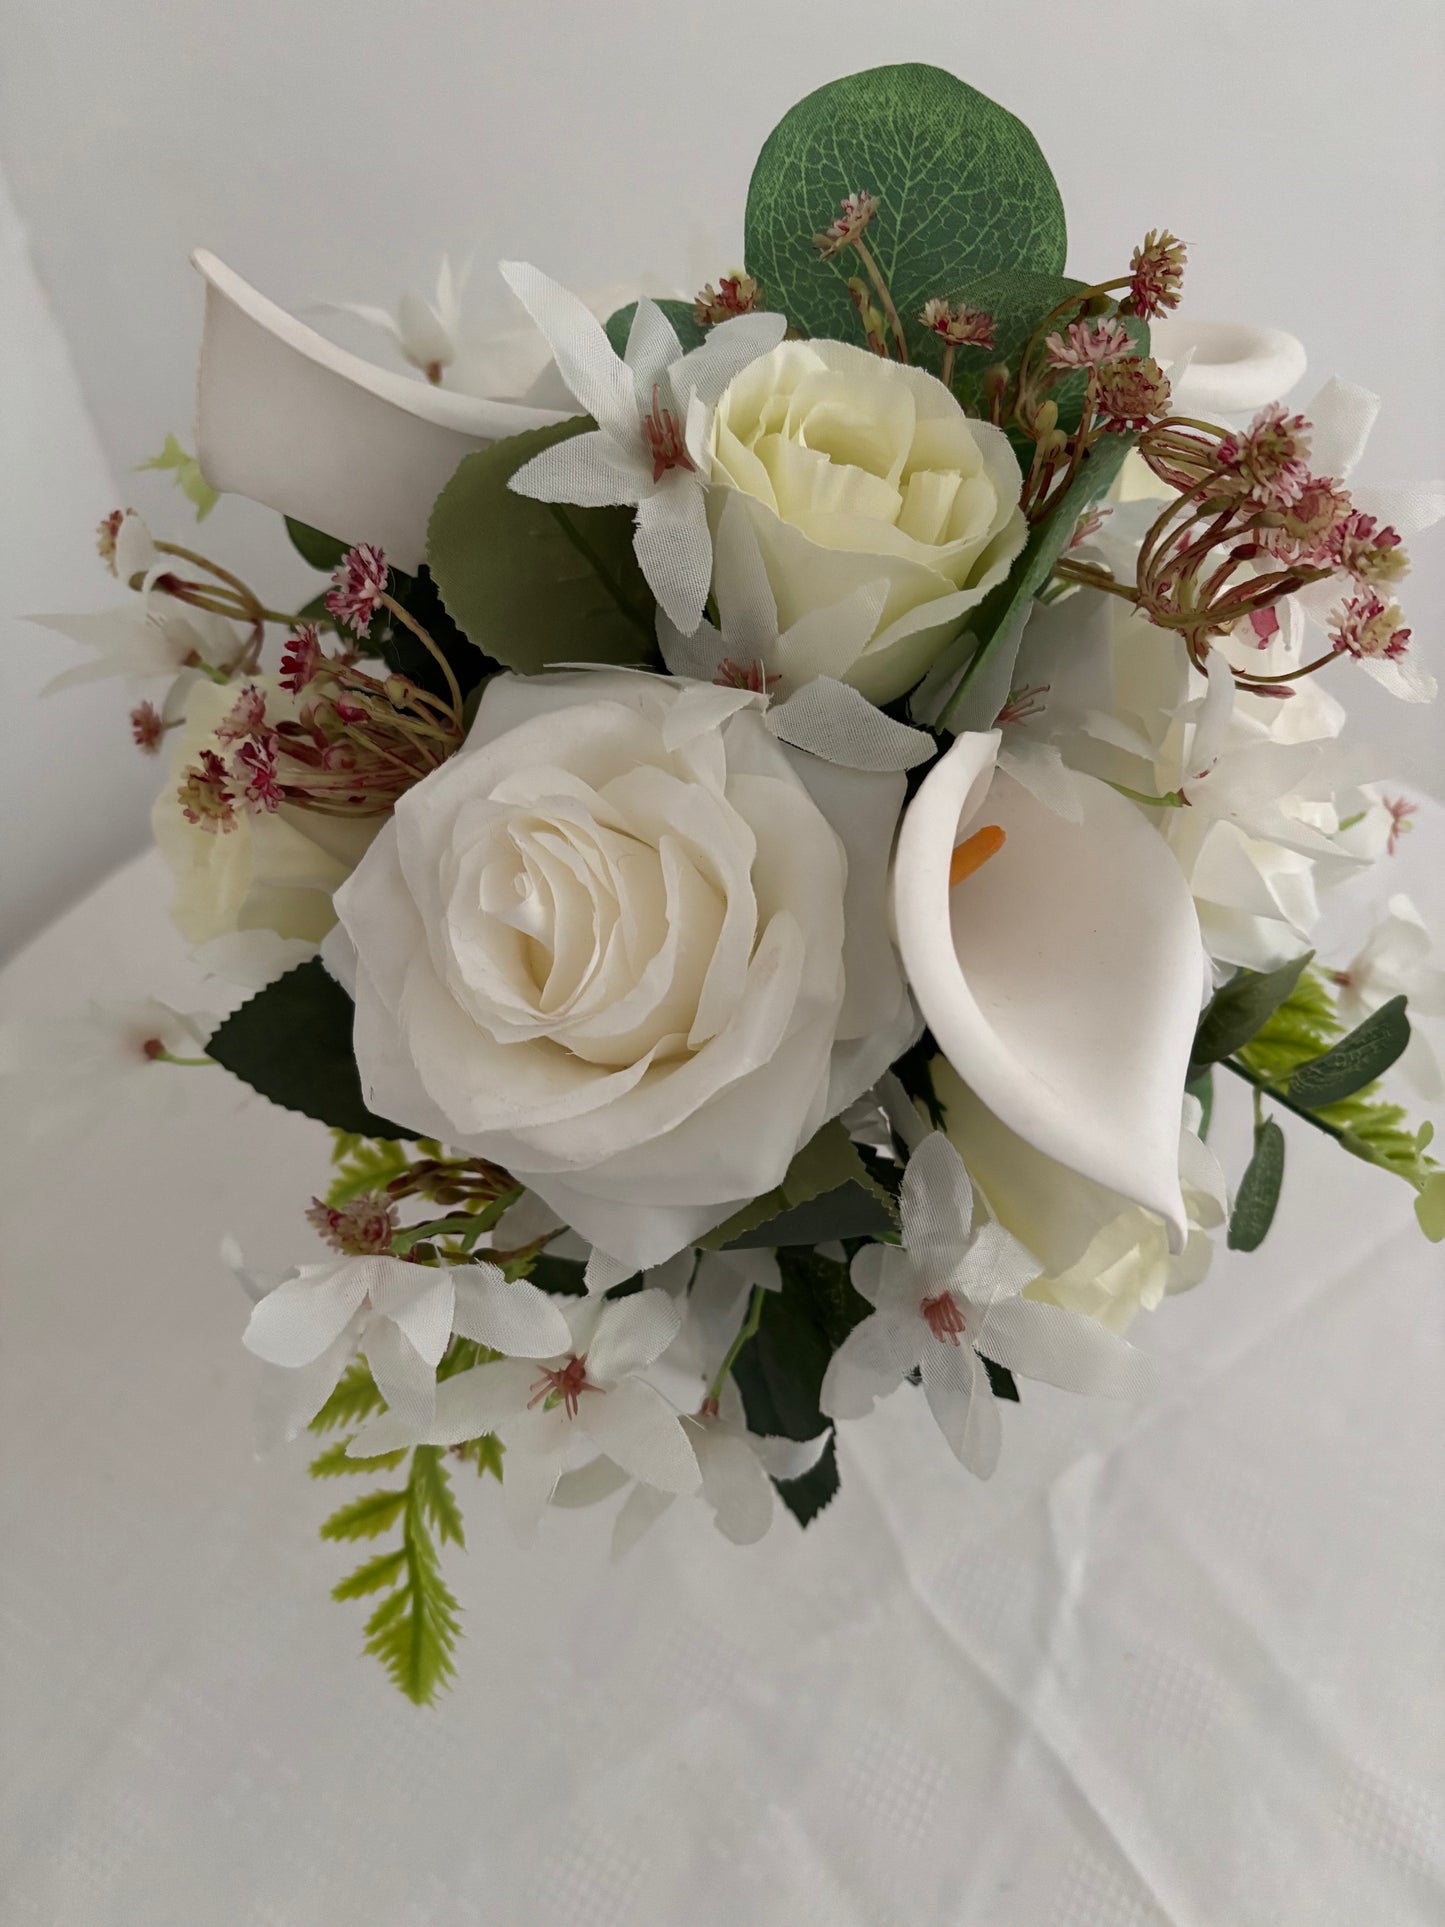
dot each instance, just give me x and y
(1170, 800)
(749, 1330)
(165, 1057)
(1273, 1090)
(410, 622)
(880, 288)
(604, 575)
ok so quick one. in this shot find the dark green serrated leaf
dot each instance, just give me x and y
(322, 552)
(848, 1212)
(1254, 1204)
(827, 1163)
(962, 186)
(1358, 1059)
(384, 1570)
(1001, 1380)
(367, 1517)
(292, 1043)
(1240, 1008)
(564, 1275)
(805, 1498)
(532, 583)
(989, 645)
(395, 645)
(690, 333)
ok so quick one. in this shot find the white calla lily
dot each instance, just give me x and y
(291, 420)
(1062, 979)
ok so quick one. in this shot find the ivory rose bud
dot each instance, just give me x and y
(272, 871)
(629, 946)
(859, 471)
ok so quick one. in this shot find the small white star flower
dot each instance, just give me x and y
(1399, 958)
(428, 333)
(951, 1297)
(72, 1068)
(652, 407)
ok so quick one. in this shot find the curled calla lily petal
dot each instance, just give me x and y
(290, 420)
(1061, 979)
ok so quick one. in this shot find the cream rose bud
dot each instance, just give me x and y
(631, 947)
(859, 471)
(272, 872)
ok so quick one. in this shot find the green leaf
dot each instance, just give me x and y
(1366, 1054)
(962, 187)
(354, 1398)
(1001, 1380)
(1258, 1194)
(367, 1517)
(187, 470)
(564, 1275)
(1430, 1207)
(532, 583)
(486, 1454)
(433, 1488)
(826, 1163)
(1019, 301)
(1241, 1008)
(384, 1570)
(805, 1498)
(467, 1226)
(292, 1043)
(323, 552)
(334, 1464)
(1202, 1088)
(365, 1165)
(400, 650)
(690, 333)
(995, 629)
(850, 1211)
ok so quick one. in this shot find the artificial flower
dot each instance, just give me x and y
(652, 406)
(1099, 1255)
(71, 1069)
(273, 871)
(856, 470)
(428, 333)
(1399, 958)
(589, 1392)
(630, 947)
(289, 419)
(401, 1317)
(1225, 368)
(1057, 963)
(950, 1297)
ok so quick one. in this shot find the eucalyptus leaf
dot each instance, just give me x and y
(533, 583)
(292, 1043)
(1258, 1194)
(690, 333)
(1202, 1088)
(962, 186)
(1357, 1060)
(1430, 1207)
(1241, 1007)
(989, 645)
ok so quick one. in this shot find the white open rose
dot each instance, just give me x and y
(272, 873)
(858, 471)
(631, 947)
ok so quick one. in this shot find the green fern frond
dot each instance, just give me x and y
(485, 1453)
(434, 1494)
(384, 1570)
(367, 1517)
(334, 1464)
(354, 1398)
(363, 1164)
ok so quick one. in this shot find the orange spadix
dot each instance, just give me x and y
(974, 852)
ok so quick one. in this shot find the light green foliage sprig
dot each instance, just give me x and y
(189, 479)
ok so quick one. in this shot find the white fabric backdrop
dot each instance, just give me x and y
(1178, 1667)
(334, 149)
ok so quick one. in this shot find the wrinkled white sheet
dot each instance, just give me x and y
(1179, 1665)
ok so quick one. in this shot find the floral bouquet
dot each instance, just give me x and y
(764, 845)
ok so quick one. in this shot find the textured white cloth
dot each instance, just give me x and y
(1175, 1664)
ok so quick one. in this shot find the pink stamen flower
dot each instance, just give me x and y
(146, 728)
(1131, 394)
(567, 1383)
(665, 441)
(961, 326)
(1309, 525)
(206, 798)
(245, 718)
(1270, 456)
(752, 675)
(1089, 344)
(856, 212)
(1157, 269)
(1367, 625)
(256, 761)
(1400, 813)
(1367, 551)
(363, 1224)
(359, 584)
(105, 537)
(301, 658)
(734, 294)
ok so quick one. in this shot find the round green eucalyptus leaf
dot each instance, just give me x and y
(532, 583)
(962, 186)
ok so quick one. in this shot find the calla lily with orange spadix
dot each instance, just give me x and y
(292, 421)
(1058, 964)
